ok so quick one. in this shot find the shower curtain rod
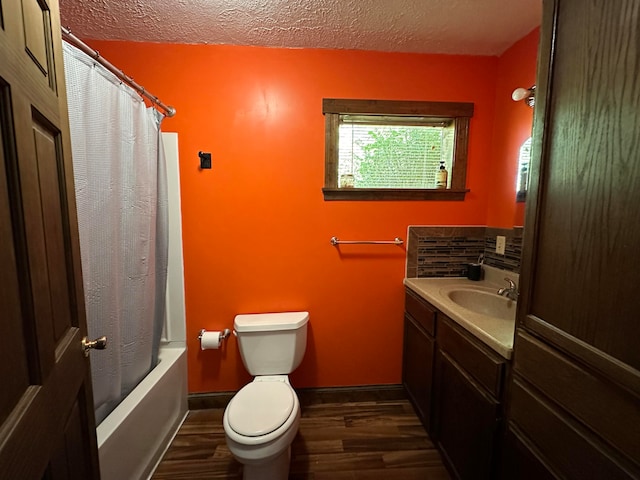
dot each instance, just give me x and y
(76, 42)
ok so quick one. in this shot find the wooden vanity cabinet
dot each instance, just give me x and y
(418, 354)
(573, 401)
(455, 384)
(468, 386)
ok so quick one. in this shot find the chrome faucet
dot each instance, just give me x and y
(511, 292)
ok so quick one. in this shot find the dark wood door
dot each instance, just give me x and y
(47, 425)
(576, 355)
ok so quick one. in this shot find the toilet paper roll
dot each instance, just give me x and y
(210, 340)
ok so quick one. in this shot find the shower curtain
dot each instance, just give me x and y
(120, 182)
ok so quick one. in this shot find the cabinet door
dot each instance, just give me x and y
(581, 269)
(417, 369)
(467, 420)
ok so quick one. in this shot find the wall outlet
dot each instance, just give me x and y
(500, 244)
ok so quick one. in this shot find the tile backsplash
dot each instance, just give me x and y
(446, 251)
(513, 248)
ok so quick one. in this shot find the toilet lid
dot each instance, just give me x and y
(260, 408)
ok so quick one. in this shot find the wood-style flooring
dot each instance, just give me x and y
(336, 441)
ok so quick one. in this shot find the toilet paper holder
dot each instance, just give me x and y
(223, 335)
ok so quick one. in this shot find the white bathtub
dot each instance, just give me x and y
(133, 438)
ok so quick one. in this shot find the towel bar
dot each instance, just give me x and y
(336, 241)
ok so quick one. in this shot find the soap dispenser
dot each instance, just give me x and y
(441, 176)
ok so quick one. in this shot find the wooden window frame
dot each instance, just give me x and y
(458, 112)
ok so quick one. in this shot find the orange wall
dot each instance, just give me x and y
(514, 120)
(256, 227)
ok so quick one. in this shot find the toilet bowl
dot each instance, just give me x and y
(260, 423)
(262, 419)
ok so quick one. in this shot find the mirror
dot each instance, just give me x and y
(524, 157)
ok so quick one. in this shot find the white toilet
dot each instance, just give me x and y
(262, 419)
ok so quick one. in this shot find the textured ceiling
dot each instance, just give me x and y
(475, 27)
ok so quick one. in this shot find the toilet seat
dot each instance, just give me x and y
(260, 408)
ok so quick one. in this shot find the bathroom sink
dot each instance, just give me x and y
(483, 302)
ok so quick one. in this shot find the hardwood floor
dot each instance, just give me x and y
(336, 441)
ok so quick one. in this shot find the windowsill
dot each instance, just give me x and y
(393, 194)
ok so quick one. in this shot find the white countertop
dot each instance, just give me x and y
(496, 333)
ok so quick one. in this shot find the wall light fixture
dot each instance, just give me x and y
(528, 95)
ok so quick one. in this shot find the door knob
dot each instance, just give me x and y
(98, 344)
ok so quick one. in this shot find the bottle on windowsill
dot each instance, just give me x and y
(441, 176)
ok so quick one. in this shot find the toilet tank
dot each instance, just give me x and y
(272, 343)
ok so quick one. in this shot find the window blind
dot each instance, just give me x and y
(403, 153)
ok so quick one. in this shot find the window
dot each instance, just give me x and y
(395, 150)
